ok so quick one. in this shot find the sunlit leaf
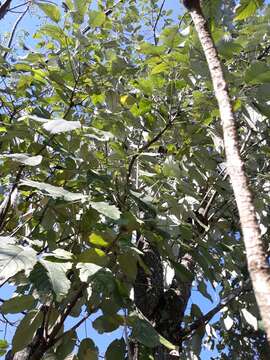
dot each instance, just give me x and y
(24, 159)
(50, 10)
(53, 191)
(14, 259)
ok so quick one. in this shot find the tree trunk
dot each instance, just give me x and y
(163, 308)
(256, 257)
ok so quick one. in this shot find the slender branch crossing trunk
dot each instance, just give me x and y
(256, 257)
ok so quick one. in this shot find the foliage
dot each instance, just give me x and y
(107, 137)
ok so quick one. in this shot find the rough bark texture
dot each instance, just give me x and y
(256, 257)
(164, 308)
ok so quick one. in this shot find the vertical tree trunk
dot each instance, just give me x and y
(164, 308)
(256, 258)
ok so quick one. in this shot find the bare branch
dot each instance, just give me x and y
(156, 22)
(202, 321)
(14, 29)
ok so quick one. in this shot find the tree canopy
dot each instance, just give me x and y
(115, 196)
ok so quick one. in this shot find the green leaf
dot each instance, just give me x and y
(196, 344)
(24, 159)
(228, 323)
(107, 323)
(103, 208)
(99, 135)
(150, 49)
(60, 126)
(145, 334)
(88, 350)
(57, 276)
(128, 264)
(247, 8)
(26, 330)
(94, 255)
(183, 273)
(14, 259)
(257, 73)
(160, 68)
(50, 10)
(86, 271)
(250, 319)
(98, 240)
(52, 31)
(68, 341)
(80, 10)
(96, 18)
(54, 191)
(18, 304)
(3, 347)
(116, 350)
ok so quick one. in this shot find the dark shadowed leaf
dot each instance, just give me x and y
(18, 304)
(27, 329)
(116, 350)
(88, 350)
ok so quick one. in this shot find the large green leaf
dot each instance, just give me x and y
(53, 191)
(50, 10)
(104, 208)
(18, 304)
(14, 259)
(96, 18)
(93, 255)
(55, 126)
(68, 341)
(257, 73)
(116, 350)
(86, 271)
(24, 159)
(60, 126)
(57, 276)
(88, 350)
(145, 333)
(107, 323)
(247, 8)
(26, 330)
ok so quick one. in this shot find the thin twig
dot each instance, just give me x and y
(74, 327)
(202, 321)
(126, 336)
(156, 22)
(14, 29)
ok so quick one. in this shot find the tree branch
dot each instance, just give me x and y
(146, 146)
(202, 321)
(156, 22)
(14, 29)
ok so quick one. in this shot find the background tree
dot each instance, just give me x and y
(115, 195)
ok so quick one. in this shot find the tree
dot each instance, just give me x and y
(115, 194)
(257, 259)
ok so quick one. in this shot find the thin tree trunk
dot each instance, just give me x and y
(163, 308)
(256, 257)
